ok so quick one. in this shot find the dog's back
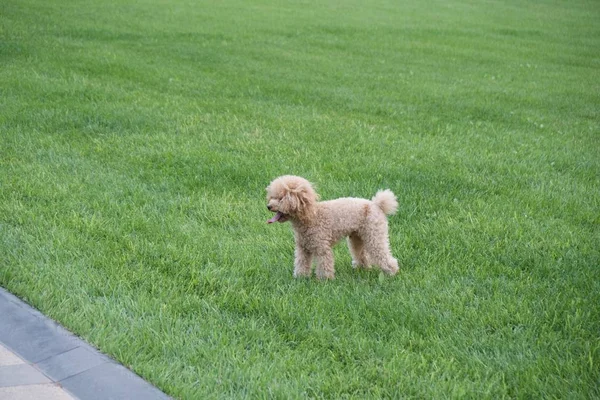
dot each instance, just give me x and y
(347, 215)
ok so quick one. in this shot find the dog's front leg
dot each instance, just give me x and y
(302, 263)
(325, 269)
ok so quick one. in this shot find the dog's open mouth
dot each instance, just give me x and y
(278, 217)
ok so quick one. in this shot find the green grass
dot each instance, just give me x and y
(137, 138)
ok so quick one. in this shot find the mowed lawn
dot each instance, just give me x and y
(137, 138)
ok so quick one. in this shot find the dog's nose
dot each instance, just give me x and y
(269, 207)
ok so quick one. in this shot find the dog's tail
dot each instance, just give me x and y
(386, 200)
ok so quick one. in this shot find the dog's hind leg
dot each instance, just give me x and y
(357, 249)
(381, 256)
(325, 268)
(378, 249)
(302, 263)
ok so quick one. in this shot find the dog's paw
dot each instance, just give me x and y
(325, 276)
(302, 274)
(357, 265)
(393, 268)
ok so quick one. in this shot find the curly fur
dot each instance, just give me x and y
(319, 225)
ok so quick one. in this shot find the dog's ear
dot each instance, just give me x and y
(298, 199)
(306, 195)
(289, 203)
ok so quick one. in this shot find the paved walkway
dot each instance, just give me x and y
(41, 360)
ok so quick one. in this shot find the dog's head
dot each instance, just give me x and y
(290, 197)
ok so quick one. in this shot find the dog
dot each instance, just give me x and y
(319, 225)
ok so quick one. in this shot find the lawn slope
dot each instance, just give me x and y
(137, 137)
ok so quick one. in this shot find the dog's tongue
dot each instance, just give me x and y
(275, 218)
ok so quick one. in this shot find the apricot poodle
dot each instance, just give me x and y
(319, 225)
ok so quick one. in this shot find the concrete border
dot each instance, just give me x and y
(65, 359)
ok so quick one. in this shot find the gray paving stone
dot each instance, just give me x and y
(71, 363)
(29, 334)
(110, 381)
(21, 374)
(81, 369)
